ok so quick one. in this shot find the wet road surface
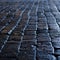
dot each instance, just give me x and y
(30, 30)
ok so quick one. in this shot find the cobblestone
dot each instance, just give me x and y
(30, 30)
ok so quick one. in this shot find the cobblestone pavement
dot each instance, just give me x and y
(30, 30)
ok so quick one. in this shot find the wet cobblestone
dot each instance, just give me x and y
(30, 30)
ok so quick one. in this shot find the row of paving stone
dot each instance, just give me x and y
(30, 30)
(11, 46)
(53, 25)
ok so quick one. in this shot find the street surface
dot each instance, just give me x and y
(30, 30)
